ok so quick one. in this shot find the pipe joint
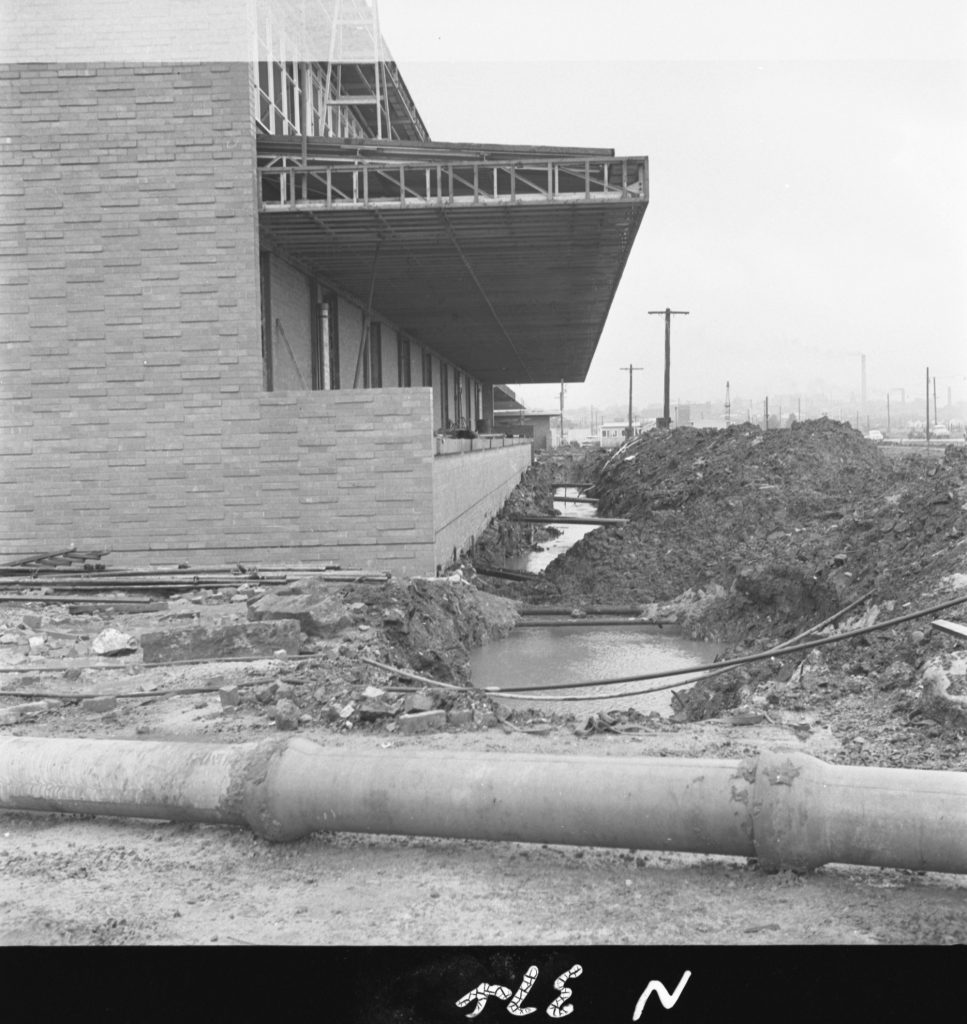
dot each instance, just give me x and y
(781, 812)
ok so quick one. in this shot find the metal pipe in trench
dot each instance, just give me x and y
(786, 808)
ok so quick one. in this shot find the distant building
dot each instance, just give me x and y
(613, 435)
(544, 428)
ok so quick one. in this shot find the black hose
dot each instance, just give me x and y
(731, 662)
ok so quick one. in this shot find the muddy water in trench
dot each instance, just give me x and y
(571, 533)
(575, 654)
(531, 656)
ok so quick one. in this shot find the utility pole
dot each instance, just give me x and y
(562, 413)
(928, 405)
(766, 427)
(668, 314)
(728, 406)
(631, 373)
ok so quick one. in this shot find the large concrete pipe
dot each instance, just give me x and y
(785, 808)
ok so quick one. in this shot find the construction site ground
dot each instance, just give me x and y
(742, 537)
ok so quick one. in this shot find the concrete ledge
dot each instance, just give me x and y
(482, 443)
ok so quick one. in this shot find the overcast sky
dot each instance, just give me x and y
(808, 175)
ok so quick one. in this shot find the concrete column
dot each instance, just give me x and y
(488, 408)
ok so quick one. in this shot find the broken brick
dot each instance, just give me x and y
(99, 704)
(226, 641)
(421, 721)
(418, 702)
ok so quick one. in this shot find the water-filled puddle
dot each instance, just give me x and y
(532, 656)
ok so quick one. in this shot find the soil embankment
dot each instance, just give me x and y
(792, 523)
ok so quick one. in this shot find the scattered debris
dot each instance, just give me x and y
(251, 639)
(421, 721)
(943, 695)
(318, 609)
(286, 715)
(113, 643)
(99, 705)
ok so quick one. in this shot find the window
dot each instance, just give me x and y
(427, 370)
(373, 365)
(458, 397)
(403, 360)
(444, 396)
(325, 341)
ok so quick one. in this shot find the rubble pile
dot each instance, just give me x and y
(287, 657)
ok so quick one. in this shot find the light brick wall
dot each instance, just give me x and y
(132, 415)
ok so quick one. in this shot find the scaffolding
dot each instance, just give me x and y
(321, 175)
(353, 90)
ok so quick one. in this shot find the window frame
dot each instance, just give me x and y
(404, 370)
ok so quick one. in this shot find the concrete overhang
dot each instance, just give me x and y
(505, 260)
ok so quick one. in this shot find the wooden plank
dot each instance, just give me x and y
(595, 622)
(569, 520)
(504, 574)
(957, 629)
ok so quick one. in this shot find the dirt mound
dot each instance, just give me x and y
(792, 523)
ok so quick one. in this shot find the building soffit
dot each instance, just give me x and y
(504, 260)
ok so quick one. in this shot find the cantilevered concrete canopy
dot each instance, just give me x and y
(503, 259)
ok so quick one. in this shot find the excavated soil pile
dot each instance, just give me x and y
(793, 524)
(748, 538)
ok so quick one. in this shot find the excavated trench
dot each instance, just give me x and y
(746, 538)
(533, 654)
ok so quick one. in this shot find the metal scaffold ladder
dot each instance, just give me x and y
(357, 19)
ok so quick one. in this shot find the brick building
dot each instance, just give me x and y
(246, 305)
